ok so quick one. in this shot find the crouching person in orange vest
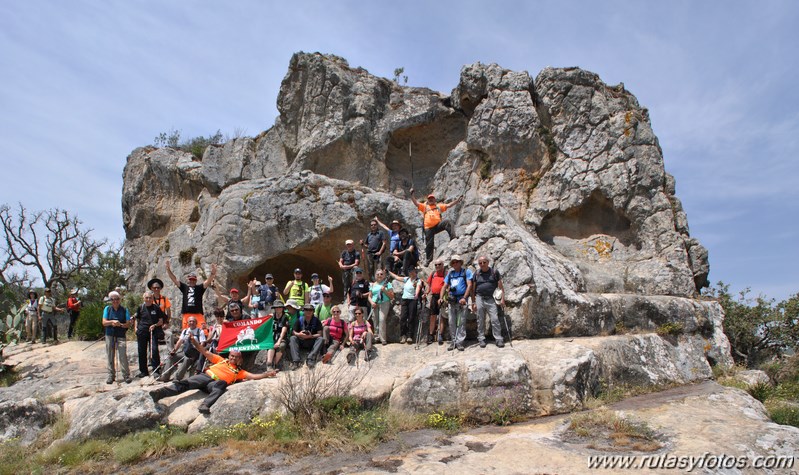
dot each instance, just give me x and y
(214, 381)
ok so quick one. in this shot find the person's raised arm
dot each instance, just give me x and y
(381, 224)
(413, 198)
(210, 280)
(454, 202)
(330, 284)
(396, 277)
(199, 347)
(171, 274)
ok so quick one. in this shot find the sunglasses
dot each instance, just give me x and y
(336, 312)
(358, 313)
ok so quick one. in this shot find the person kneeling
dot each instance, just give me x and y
(214, 381)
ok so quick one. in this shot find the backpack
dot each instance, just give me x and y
(264, 294)
(192, 352)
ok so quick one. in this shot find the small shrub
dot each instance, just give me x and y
(183, 441)
(609, 431)
(129, 450)
(61, 426)
(670, 329)
(783, 413)
(90, 324)
(760, 391)
(184, 257)
(443, 421)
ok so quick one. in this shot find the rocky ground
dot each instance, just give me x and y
(689, 420)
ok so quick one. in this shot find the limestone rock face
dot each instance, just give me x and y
(562, 178)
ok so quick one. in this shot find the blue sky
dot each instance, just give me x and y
(85, 82)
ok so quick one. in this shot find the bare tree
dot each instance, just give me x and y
(50, 245)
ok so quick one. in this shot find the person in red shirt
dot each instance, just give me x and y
(73, 309)
(434, 285)
(431, 211)
(214, 380)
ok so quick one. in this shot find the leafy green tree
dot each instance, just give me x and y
(758, 328)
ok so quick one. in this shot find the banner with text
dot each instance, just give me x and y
(246, 335)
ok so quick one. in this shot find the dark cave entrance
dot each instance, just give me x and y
(596, 215)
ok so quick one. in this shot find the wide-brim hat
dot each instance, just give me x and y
(293, 304)
(73, 291)
(456, 257)
(278, 304)
(308, 306)
(155, 280)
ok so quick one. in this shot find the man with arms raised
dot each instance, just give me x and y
(192, 294)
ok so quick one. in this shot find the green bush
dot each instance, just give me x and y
(760, 391)
(90, 323)
(784, 413)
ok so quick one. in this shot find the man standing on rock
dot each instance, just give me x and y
(46, 316)
(192, 294)
(486, 281)
(375, 243)
(162, 301)
(350, 259)
(431, 211)
(457, 289)
(73, 309)
(116, 321)
(297, 289)
(149, 327)
(435, 282)
(214, 380)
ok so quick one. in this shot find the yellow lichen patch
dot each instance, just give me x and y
(603, 248)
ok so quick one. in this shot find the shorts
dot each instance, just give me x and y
(434, 306)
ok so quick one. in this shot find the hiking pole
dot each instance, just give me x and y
(94, 343)
(419, 330)
(170, 369)
(507, 328)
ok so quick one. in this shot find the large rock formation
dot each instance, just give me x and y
(562, 176)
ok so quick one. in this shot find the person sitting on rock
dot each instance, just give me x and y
(457, 288)
(359, 337)
(486, 281)
(280, 331)
(334, 333)
(349, 260)
(235, 312)
(359, 294)
(433, 224)
(297, 289)
(192, 293)
(188, 354)
(212, 340)
(318, 289)
(306, 334)
(214, 380)
(406, 255)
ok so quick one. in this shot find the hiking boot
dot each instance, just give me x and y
(402, 339)
(204, 409)
(450, 347)
(482, 344)
(109, 381)
(310, 364)
(409, 341)
(430, 339)
(440, 340)
(383, 342)
(351, 358)
(142, 375)
(128, 380)
(368, 356)
(500, 344)
(459, 347)
(326, 359)
(295, 365)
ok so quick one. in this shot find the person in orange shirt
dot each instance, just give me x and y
(214, 380)
(73, 309)
(431, 211)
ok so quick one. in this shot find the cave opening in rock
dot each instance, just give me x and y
(596, 215)
(320, 256)
(429, 146)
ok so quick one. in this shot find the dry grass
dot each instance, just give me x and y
(606, 430)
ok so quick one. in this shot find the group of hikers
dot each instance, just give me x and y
(303, 316)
